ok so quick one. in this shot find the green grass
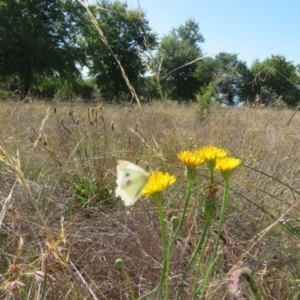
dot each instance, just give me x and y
(80, 144)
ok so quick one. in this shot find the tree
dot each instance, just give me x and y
(177, 58)
(229, 75)
(235, 78)
(279, 76)
(39, 37)
(206, 71)
(125, 31)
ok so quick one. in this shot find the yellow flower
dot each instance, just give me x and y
(2, 157)
(211, 153)
(189, 158)
(157, 182)
(226, 164)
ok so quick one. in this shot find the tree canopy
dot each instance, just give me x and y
(230, 76)
(39, 37)
(175, 59)
(277, 75)
(44, 45)
(125, 31)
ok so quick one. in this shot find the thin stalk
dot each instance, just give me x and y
(158, 199)
(121, 266)
(186, 202)
(200, 259)
(252, 283)
(165, 249)
(174, 237)
(206, 231)
(202, 286)
(128, 283)
(222, 216)
(212, 176)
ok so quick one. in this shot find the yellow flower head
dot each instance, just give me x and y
(211, 153)
(189, 158)
(226, 164)
(157, 182)
(2, 157)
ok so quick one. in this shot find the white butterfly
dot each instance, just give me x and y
(131, 181)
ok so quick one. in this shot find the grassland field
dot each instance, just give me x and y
(62, 170)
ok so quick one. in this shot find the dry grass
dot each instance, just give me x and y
(75, 258)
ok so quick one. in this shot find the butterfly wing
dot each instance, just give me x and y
(130, 181)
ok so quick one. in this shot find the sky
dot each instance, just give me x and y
(253, 29)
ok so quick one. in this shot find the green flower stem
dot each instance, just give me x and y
(128, 283)
(186, 202)
(252, 283)
(212, 176)
(202, 286)
(191, 173)
(164, 276)
(120, 265)
(158, 199)
(151, 292)
(222, 216)
(211, 166)
(201, 258)
(206, 231)
(168, 258)
(174, 237)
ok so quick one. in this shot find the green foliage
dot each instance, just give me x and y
(234, 75)
(268, 96)
(4, 94)
(43, 45)
(83, 89)
(206, 71)
(6, 83)
(148, 88)
(45, 87)
(230, 77)
(86, 192)
(279, 76)
(176, 59)
(39, 37)
(83, 191)
(205, 99)
(124, 31)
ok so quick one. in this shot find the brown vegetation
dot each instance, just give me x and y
(74, 257)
